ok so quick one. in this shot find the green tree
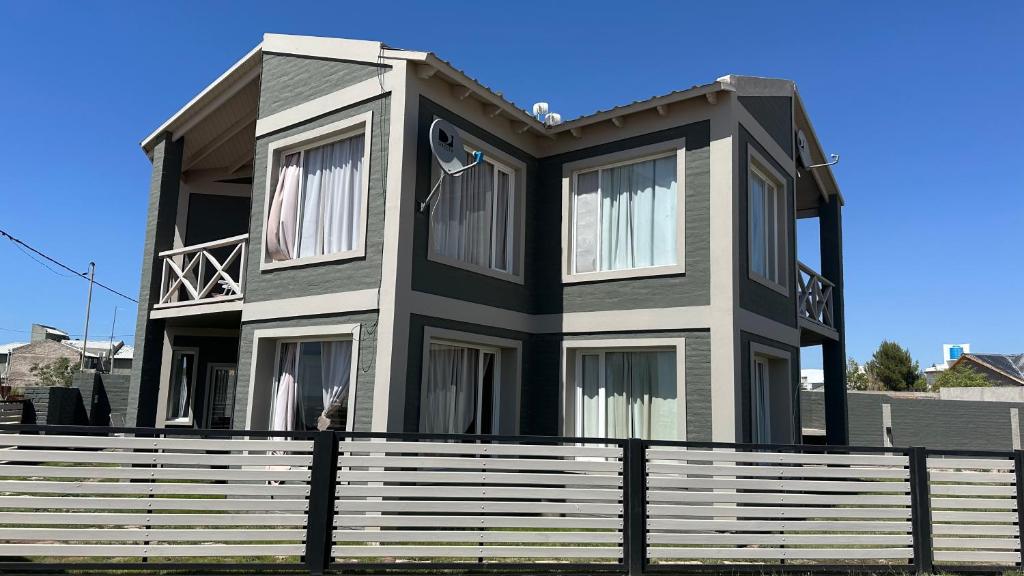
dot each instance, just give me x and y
(962, 376)
(892, 368)
(58, 372)
(856, 379)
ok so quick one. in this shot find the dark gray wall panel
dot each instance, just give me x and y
(755, 296)
(690, 289)
(291, 80)
(775, 115)
(367, 361)
(454, 282)
(330, 277)
(214, 217)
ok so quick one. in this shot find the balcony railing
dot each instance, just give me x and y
(814, 294)
(204, 273)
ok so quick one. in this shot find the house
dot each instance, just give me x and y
(48, 344)
(812, 378)
(631, 272)
(950, 354)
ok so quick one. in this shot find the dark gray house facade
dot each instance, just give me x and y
(632, 272)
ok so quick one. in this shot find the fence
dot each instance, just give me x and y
(204, 500)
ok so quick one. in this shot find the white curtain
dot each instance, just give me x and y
(332, 197)
(336, 364)
(281, 220)
(590, 396)
(179, 401)
(761, 403)
(327, 182)
(640, 392)
(286, 397)
(625, 217)
(449, 400)
(462, 219)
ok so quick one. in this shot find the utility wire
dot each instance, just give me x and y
(81, 275)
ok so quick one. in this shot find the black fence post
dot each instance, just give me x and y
(920, 510)
(320, 518)
(1018, 469)
(634, 500)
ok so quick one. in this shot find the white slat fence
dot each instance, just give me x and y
(478, 502)
(726, 506)
(158, 499)
(974, 509)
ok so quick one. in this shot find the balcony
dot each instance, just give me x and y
(208, 277)
(814, 302)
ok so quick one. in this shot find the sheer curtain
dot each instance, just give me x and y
(324, 185)
(640, 395)
(758, 236)
(286, 398)
(281, 221)
(449, 399)
(625, 217)
(461, 221)
(336, 364)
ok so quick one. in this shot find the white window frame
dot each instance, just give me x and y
(758, 166)
(570, 174)
(177, 351)
(276, 152)
(483, 343)
(515, 248)
(572, 389)
(325, 333)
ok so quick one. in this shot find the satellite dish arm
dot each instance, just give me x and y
(478, 157)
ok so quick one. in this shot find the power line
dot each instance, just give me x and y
(82, 275)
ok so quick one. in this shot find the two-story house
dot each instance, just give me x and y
(631, 272)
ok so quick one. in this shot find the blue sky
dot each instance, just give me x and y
(922, 104)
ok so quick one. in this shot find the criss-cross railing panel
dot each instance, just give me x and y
(212, 271)
(814, 296)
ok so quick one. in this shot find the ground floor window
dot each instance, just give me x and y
(627, 393)
(760, 402)
(220, 404)
(312, 384)
(184, 363)
(459, 389)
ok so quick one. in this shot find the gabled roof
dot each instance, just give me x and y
(1010, 365)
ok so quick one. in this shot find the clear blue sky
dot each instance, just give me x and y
(921, 100)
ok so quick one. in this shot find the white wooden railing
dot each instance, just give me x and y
(196, 275)
(814, 296)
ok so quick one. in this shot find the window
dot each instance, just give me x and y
(767, 243)
(459, 389)
(312, 386)
(473, 219)
(760, 404)
(625, 216)
(184, 363)
(627, 394)
(220, 385)
(317, 209)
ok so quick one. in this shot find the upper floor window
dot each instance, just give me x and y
(767, 244)
(626, 217)
(473, 220)
(316, 206)
(316, 196)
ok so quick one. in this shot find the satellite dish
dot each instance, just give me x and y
(446, 143)
(803, 149)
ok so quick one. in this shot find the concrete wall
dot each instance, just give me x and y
(929, 422)
(42, 352)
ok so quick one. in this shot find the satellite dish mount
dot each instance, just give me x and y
(446, 144)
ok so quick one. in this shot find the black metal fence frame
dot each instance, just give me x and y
(323, 484)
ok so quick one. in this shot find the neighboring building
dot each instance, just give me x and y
(642, 256)
(48, 344)
(812, 378)
(950, 354)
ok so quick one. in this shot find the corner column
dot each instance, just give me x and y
(833, 353)
(160, 219)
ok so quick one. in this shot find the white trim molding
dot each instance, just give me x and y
(348, 96)
(570, 172)
(336, 303)
(567, 378)
(303, 334)
(278, 149)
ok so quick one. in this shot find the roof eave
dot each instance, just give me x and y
(650, 103)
